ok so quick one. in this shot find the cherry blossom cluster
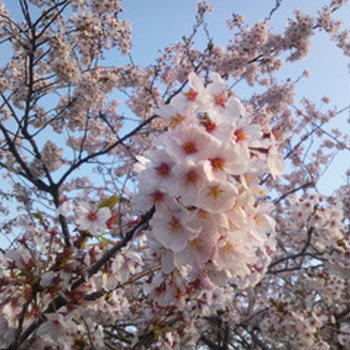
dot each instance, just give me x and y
(26, 267)
(64, 65)
(325, 217)
(300, 317)
(201, 256)
(326, 22)
(202, 176)
(295, 329)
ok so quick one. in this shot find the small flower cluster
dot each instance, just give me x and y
(203, 179)
(98, 26)
(298, 329)
(51, 159)
(64, 65)
(323, 214)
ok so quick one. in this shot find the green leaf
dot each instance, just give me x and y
(37, 215)
(273, 302)
(109, 202)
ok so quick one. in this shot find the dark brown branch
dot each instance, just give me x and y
(104, 151)
(27, 172)
(209, 343)
(293, 256)
(277, 5)
(301, 187)
(21, 318)
(256, 339)
(46, 13)
(296, 268)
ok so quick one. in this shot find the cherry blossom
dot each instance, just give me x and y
(204, 182)
(92, 219)
(176, 204)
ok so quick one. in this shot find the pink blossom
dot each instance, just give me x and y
(92, 219)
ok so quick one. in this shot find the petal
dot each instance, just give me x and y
(104, 214)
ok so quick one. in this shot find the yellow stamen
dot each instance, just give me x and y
(174, 225)
(163, 169)
(217, 163)
(157, 196)
(176, 120)
(191, 177)
(227, 248)
(196, 243)
(258, 219)
(189, 147)
(192, 94)
(92, 216)
(215, 192)
(220, 99)
(240, 136)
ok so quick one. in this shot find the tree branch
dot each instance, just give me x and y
(104, 151)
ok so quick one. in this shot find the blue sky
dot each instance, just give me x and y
(157, 23)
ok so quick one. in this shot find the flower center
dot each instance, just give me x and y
(191, 177)
(92, 216)
(189, 147)
(227, 248)
(215, 192)
(174, 225)
(192, 94)
(220, 99)
(163, 169)
(176, 120)
(197, 244)
(157, 196)
(240, 136)
(217, 163)
(209, 125)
